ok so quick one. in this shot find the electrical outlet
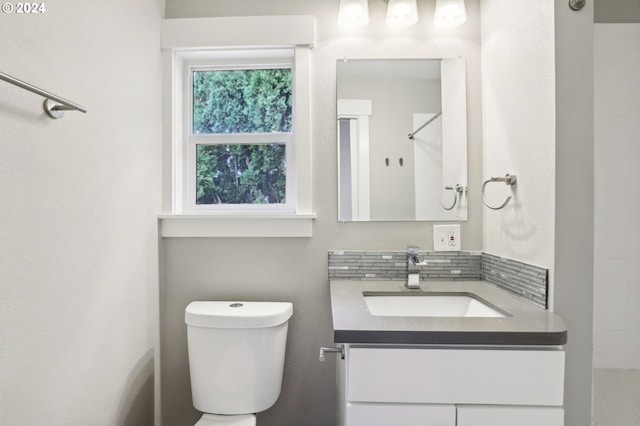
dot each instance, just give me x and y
(452, 240)
(446, 237)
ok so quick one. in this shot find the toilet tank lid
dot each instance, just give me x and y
(235, 314)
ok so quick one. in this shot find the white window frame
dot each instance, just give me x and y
(203, 39)
(192, 140)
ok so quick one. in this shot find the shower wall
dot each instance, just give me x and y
(617, 195)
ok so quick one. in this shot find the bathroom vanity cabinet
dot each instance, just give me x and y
(449, 386)
(447, 371)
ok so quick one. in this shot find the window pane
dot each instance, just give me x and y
(245, 101)
(240, 174)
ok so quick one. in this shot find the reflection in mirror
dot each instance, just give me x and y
(402, 140)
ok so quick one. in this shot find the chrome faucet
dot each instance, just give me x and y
(414, 261)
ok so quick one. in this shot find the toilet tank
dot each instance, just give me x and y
(236, 354)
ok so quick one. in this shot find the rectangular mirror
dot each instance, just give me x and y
(402, 140)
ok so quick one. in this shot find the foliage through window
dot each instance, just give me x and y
(241, 127)
(242, 101)
(240, 174)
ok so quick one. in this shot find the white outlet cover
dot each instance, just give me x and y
(446, 237)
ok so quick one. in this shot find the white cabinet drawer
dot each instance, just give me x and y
(364, 414)
(510, 416)
(455, 376)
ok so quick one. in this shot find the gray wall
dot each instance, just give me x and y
(616, 11)
(575, 202)
(296, 269)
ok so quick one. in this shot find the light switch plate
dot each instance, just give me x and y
(446, 237)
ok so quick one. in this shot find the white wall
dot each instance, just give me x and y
(78, 204)
(518, 111)
(296, 269)
(617, 196)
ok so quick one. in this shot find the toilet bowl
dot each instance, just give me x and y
(236, 358)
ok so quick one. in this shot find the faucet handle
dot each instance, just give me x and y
(413, 256)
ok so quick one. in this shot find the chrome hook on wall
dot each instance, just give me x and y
(457, 189)
(576, 4)
(508, 179)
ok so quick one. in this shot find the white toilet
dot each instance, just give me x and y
(236, 358)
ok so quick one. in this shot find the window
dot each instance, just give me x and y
(237, 127)
(240, 140)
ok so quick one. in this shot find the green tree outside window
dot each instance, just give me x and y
(236, 102)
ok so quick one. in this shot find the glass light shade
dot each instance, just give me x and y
(450, 13)
(353, 13)
(402, 13)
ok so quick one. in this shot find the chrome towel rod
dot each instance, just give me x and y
(412, 134)
(52, 109)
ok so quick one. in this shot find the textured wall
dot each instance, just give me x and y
(296, 269)
(78, 204)
(519, 129)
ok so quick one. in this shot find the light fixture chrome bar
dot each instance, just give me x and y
(66, 105)
(412, 134)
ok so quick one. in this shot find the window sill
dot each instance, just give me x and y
(236, 226)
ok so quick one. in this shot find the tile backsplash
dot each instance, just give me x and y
(528, 281)
(525, 280)
(391, 265)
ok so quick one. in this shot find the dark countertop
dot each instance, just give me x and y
(525, 324)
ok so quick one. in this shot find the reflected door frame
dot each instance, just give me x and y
(358, 112)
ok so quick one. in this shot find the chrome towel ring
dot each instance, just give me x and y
(508, 179)
(457, 189)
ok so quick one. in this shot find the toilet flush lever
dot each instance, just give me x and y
(323, 349)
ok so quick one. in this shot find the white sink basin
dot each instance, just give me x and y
(427, 305)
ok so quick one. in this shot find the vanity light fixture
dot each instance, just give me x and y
(449, 13)
(353, 13)
(401, 13)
